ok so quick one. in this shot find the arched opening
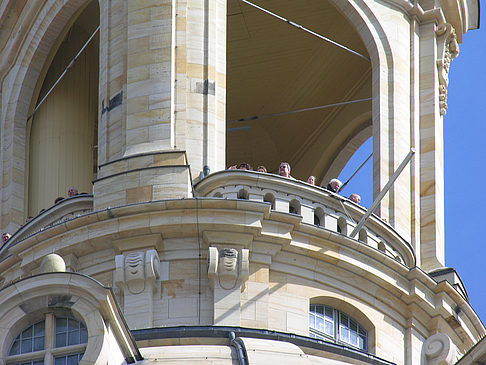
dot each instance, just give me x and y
(243, 194)
(294, 207)
(69, 338)
(273, 68)
(269, 198)
(362, 181)
(63, 137)
(363, 236)
(342, 226)
(319, 216)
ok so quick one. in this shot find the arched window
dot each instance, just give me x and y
(29, 340)
(328, 323)
(66, 334)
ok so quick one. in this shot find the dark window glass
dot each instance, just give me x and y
(26, 346)
(38, 343)
(15, 349)
(72, 359)
(61, 340)
(70, 331)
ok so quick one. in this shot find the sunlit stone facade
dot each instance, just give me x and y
(165, 256)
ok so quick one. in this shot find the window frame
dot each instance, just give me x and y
(50, 352)
(336, 336)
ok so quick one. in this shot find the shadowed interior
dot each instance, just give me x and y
(273, 67)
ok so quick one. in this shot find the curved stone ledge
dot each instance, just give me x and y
(313, 203)
(64, 210)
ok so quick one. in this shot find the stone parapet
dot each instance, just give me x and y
(64, 210)
(316, 206)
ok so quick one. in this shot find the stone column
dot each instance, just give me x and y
(200, 83)
(162, 98)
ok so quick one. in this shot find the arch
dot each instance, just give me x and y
(365, 20)
(363, 236)
(75, 294)
(346, 150)
(294, 207)
(269, 198)
(63, 131)
(62, 338)
(319, 216)
(243, 194)
(20, 87)
(342, 226)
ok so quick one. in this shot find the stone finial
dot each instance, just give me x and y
(53, 263)
(438, 349)
(228, 267)
(135, 269)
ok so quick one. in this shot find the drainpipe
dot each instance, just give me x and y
(238, 344)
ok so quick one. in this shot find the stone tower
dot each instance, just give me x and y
(164, 254)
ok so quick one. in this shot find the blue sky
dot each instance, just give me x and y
(464, 165)
(465, 158)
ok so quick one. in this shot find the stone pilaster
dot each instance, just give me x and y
(431, 151)
(228, 270)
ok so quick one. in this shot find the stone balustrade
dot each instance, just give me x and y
(317, 206)
(64, 210)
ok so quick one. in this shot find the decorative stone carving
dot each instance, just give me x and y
(438, 349)
(447, 50)
(53, 263)
(135, 269)
(228, 267)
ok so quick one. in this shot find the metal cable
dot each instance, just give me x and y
(298, 26)
(65, 71)
(298, 110)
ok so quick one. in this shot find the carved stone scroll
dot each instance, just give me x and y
(228, 268)
(447, 50)
(438, 349)
(135, 269)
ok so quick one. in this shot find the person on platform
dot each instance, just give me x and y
(355, 198)
(72, 191)
(5, 237)
(245, 166)
(311, 180)
(333, 185)
(284, 170)
(261, 169)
